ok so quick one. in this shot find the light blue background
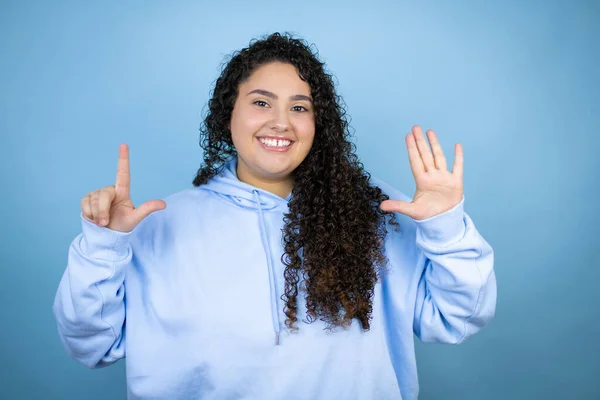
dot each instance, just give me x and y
(517, 83)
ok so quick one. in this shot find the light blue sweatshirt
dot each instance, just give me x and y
(191, 297)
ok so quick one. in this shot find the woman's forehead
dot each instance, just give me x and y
(277, 77)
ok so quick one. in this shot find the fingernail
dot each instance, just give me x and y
(103, 221)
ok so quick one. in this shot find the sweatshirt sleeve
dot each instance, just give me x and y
(456, 294)
(89, 304)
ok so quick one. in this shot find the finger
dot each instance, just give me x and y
(438, 154)
(459, 160)
(399, 206)
(105, 198)
(423, 148)
(148, 208)
(94, 206)
(86, 207)
(123, 176)
(416, 163)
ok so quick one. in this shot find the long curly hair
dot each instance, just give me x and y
(334, 231)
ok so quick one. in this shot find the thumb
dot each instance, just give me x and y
(399, 206)
(148, 208)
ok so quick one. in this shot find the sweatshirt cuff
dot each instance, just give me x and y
(443, 229)
(101, 240)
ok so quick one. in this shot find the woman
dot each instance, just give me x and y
(286, 272)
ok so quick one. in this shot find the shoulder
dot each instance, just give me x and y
(183, 203)
(185, 200)
(162, 225)
(185, 196)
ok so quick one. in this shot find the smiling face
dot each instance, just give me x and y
(272, 126)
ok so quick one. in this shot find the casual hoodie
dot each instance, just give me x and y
(192, 298)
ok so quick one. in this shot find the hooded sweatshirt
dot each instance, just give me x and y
(191, 298)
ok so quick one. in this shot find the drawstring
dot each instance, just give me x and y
(272, 277)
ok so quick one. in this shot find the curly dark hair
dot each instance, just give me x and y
(334, 231)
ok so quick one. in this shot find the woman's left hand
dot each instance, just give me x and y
(438, 190)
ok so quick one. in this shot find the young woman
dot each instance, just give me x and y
(286, 272)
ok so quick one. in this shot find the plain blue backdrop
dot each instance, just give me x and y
(517, 83)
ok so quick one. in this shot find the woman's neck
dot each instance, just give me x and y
(281, 188)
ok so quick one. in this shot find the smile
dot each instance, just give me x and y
(275, 144)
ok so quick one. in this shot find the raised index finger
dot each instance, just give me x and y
(123, 179)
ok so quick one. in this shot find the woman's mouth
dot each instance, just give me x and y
(275, 144)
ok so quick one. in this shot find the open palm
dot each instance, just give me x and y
(438, 190)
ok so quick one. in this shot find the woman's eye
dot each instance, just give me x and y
(299, 108)
(261, 103)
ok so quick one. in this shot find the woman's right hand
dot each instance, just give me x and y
(111, 206)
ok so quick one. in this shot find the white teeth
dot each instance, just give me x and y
(275, 142)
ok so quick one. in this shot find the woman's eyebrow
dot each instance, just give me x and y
(275, 97)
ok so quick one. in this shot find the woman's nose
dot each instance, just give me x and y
(280, 121)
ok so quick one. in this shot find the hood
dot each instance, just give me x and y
(227, 185)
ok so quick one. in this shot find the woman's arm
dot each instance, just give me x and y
(89, 304)
(456, 295)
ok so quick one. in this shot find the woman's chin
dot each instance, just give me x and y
(276, 171)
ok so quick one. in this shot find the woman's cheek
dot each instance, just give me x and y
(306, 129)
(256, 118)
